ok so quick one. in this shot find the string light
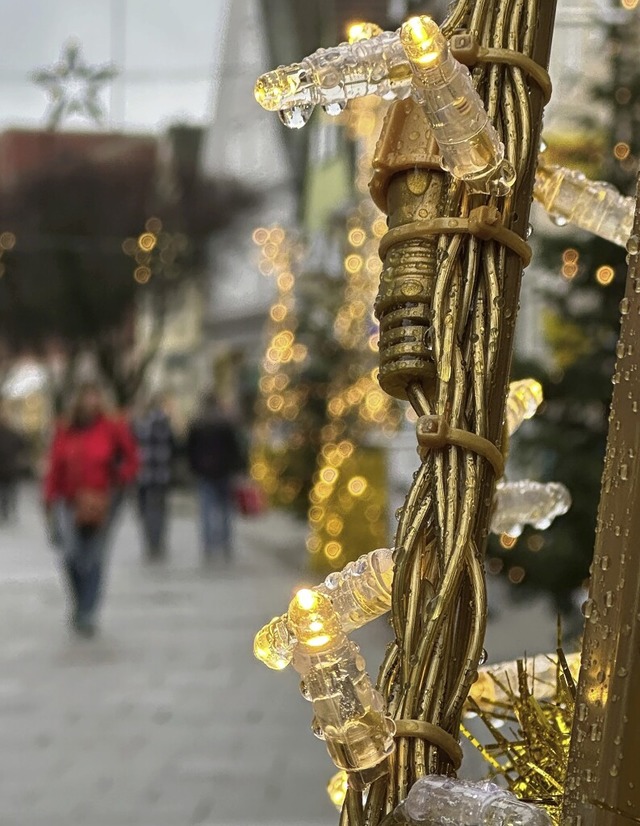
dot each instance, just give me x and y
(276, 430)
(337, 789)
(605, 275)
(352, 720)
(570, 197)
(528, 503)
(359, 593)
(471, 148)
(524, 398)
(441, 801)
(355, 403)
(331, 77)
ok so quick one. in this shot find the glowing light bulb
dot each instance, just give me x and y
(332, 77)
(570, 197)
(471, 148)
(442, 801)
(487, 690)
(524, 398)
(528, 503)
(337, 788)
(348, 711)
(362, 31)
(359, 593)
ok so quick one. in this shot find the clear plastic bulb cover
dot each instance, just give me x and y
(523, 399)
(525, 502)
(443, 801)
(359, 593)
(347, 708)
(570, 197)
(332, 77)
(470, 146)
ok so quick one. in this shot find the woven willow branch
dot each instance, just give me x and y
(439, 601)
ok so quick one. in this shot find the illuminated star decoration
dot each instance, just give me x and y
(73, 86)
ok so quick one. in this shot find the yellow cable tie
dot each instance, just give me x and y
(466, 49)
(484, 222)
(434, 433)
(432, 734)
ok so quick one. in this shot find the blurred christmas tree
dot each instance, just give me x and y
(580, 324)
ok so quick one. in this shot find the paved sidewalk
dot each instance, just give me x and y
(166, 719)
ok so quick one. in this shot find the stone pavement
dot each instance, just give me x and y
(166, 719)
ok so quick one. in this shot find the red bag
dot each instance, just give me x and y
(249, 499)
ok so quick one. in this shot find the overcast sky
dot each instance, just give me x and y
(168, 52)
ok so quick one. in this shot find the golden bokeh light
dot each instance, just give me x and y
(605, 275)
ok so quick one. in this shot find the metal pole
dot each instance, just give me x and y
(603, 777)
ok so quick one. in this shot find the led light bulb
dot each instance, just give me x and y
(359, 593)
(443, 801)
(517, 504)
(487, 690)
(337, 788)
(524, 398)
(331, 77)
(571, 198)
(348, 710)
(471, 148)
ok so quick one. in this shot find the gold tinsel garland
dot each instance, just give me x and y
(533, 760)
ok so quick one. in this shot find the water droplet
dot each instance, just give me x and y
(304, 690)
(622, 671)
(296, 117)
(619, 349)
(483, 657)
(613, 771)
(529, 231)
(559, 220)
(334, 108)
(633, 244)
(624, 472)
(609, 599)
(604, 563)
(316, 728)
(624, 306)
(587, 608)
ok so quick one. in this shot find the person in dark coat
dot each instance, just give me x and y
(11, 453)
(215, 455)
(156, 445)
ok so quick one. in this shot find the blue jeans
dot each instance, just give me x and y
(216, 505)
(83, 559)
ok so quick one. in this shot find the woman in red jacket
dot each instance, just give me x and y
(92, 458)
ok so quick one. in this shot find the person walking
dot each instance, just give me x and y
(215, 455)
(12, 447)
(92, 458)
(156, 444)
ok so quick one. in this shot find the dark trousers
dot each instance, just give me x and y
(8, 499)
(216, 507)
(152, 508)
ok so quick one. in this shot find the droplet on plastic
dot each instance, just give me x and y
(316, 728)
(334, 108)
(633, 244)
(624, 306)
(559, 220)
(483, 657)
(296, 117)
(304, 690)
